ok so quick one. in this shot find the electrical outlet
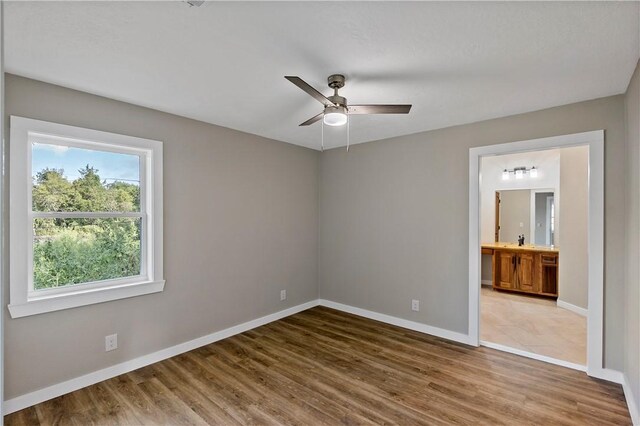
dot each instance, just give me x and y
(415, 305)
(283, 295)
(110, 342)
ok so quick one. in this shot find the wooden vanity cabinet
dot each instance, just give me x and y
(547, 269)
(505, 272)
(526, 271)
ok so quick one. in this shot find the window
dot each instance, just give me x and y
(86, 217)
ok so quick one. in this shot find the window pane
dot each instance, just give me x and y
(74, 251)
(67, 179)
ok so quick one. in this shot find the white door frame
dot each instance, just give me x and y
(595, 141)
(3, 165)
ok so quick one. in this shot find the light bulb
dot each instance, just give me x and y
(335, 116)
(505, 174)
(519, 174)
(533, 172)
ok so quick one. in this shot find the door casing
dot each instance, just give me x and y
(595, 316)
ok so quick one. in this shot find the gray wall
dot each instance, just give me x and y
(632, 278)
(394, 216)
(574, 199)
(393, 223)
(515, 209)
(240, 223)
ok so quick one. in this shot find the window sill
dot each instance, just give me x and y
(83, 298)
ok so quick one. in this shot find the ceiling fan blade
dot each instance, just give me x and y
(379, 109)
(310, 90)
(313, 119)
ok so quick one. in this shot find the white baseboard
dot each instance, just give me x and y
(573, 308)
(411, 325)
(32, 398)
(602, 373)
(535, 356)
(41, 395)
(486, 282)
(631, 401)
(607, 374)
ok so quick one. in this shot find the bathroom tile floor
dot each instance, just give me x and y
(533, 324)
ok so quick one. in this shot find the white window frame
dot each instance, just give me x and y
(24, 301)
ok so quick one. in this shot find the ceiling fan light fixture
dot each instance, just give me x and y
(335, 116)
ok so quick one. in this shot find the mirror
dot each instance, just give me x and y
(528, 212)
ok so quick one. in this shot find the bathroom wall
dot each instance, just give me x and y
(574, 258)
(548, 164)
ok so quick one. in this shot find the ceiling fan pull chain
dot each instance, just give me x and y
(348, 121)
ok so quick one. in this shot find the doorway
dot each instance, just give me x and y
(595, 239)
(524, 276)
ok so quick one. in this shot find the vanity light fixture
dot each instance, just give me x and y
(520, 172)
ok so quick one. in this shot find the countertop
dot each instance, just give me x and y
(515, 247)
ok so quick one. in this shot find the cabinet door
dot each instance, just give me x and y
(506, 278)
(548, 281)
(526, 269)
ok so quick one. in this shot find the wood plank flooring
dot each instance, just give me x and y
(326, 367)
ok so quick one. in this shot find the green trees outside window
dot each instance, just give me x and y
(70, 251)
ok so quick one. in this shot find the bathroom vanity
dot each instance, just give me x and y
(524, 269)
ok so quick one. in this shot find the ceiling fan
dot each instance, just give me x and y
(335, 107)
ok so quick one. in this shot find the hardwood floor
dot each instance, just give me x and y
(322, 366)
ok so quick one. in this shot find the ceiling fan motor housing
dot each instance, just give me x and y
(338, 100)
(336, 81)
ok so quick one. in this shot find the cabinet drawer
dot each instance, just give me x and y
(548, 259)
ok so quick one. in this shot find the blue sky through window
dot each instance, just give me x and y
(111, 166)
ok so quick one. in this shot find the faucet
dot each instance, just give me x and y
(520, 240)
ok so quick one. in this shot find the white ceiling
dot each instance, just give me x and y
(224, 62)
